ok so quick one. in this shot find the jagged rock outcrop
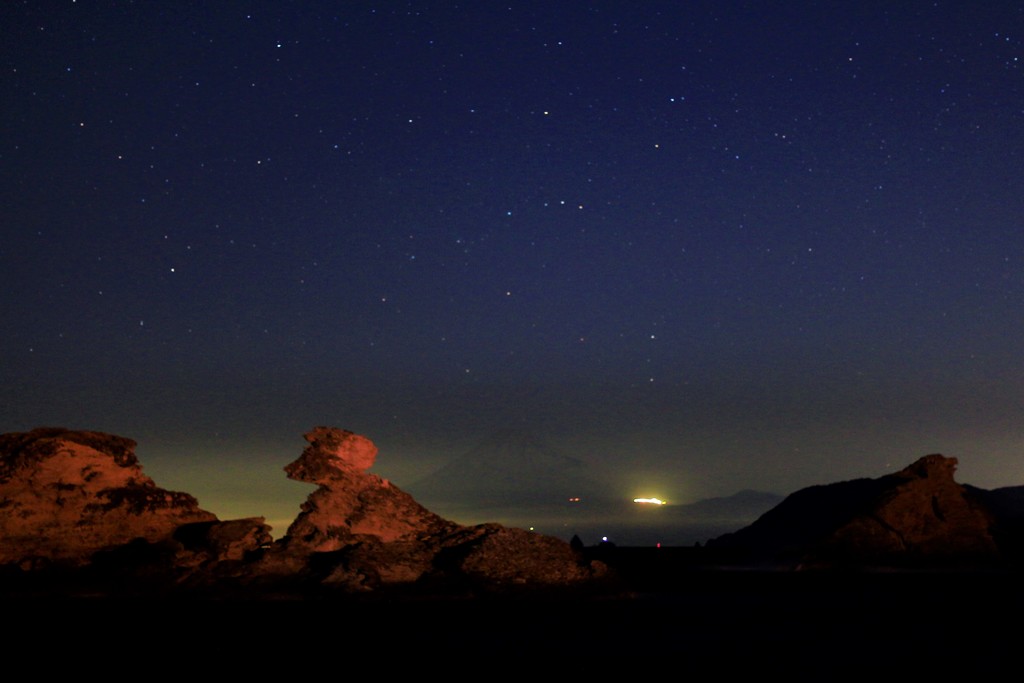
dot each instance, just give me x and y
(359, 532)
(75, 498)
(64, 495)
(350, 503)
(919, 516)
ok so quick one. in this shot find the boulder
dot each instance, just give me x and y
(351, 504)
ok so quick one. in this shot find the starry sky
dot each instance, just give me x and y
(701, 246)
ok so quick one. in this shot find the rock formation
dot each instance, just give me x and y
(351, 503)
(74, 499)
(76, 504)
(66, 495)
(360, 532)
(919, 516)
(79, 500)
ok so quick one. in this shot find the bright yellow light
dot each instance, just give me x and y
(649, 501)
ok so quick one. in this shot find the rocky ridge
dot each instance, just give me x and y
(918, 516)
(77, 511)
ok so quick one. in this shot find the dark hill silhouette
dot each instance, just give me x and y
(918, 516)
(1007, 504)
(804, 517)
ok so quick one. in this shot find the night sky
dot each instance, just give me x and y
(701, 246)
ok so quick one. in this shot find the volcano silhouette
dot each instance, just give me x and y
(509, 468)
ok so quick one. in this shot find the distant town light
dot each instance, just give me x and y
(649, 501)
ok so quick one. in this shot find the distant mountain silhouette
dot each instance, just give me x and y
(509, 468)
(1007, 504)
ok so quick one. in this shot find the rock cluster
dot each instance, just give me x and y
(80, 500)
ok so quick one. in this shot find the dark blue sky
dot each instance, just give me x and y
(705, 245)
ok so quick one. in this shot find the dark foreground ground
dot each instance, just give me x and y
(684, 620)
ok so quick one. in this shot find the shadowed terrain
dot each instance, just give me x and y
(907, 573)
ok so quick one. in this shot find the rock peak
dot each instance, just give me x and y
(934, 466)
(332, 452)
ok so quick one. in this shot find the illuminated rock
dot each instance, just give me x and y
(66, 494)
(351, 504)
(359, 532)
(77, 503)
